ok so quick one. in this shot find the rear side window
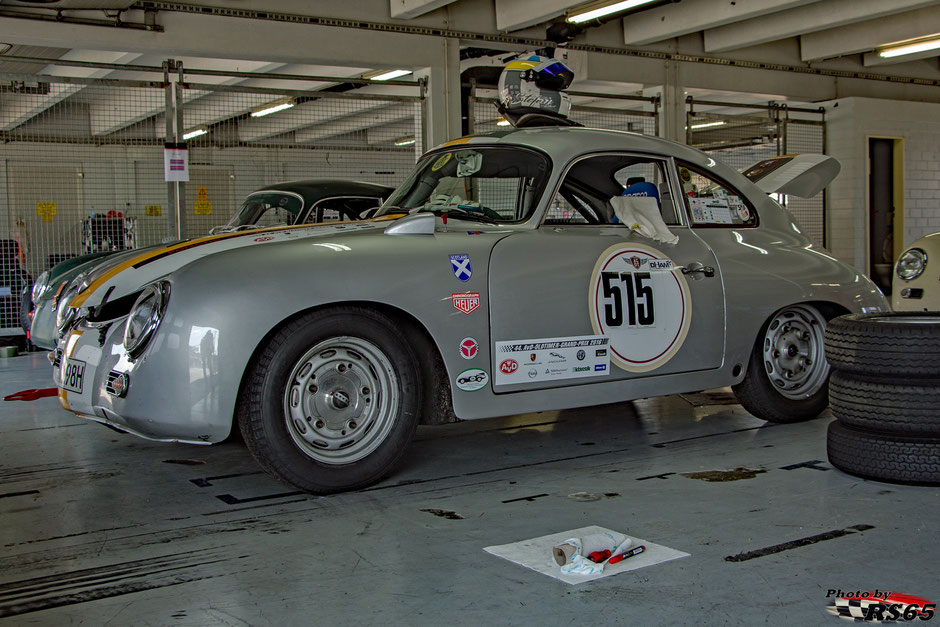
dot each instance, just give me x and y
(712, 202)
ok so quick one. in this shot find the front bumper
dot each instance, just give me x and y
(85, 367)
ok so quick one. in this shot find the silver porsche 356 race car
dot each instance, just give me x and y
(518, 271)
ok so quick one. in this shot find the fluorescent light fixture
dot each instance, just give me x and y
(503, 122)
(274, 107)
(707, 125)
(195, 132)
(592, 11)
(405, 141)
(389, 75)
(910, 47)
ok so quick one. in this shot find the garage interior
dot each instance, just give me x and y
(105, 528)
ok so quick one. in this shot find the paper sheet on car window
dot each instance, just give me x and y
(641, 215)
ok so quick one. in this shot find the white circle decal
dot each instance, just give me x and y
(640, 300)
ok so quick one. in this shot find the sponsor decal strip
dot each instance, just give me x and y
(551, 359)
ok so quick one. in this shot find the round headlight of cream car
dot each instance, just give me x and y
(145, 317)
(911, 264)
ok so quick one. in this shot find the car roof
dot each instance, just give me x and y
(567, 142)
(313, 190)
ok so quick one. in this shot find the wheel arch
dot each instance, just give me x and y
(437, 407)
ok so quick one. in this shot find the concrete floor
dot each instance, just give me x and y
(102, 528)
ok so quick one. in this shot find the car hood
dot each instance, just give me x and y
(125, 274)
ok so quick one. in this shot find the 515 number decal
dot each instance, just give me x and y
(638, 301)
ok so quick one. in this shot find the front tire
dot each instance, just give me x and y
(787, 375)
(332, 400)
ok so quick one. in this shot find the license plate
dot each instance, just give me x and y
(74, 376)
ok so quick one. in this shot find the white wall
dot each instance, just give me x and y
(850, 122)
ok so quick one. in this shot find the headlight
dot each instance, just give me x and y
(40, 287)
(65, 315)
(145, 317)
(911, 264)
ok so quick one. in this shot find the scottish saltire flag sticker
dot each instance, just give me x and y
(460, 264)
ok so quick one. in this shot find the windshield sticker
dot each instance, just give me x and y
(466, 302)
(441, 161)
(460, 264)
(551, 359)
(469, 348)
(639, 298)
(472, 379)
(710, 210)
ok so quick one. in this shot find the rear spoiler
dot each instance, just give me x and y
(802, 175)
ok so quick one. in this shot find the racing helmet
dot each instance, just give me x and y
(534, 86)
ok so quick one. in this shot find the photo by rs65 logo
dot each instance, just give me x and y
(508, 366)
(879, 606)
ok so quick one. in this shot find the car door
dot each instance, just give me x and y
(585, 298)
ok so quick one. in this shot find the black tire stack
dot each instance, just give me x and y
(885, 395)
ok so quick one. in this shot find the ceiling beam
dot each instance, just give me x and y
(675, 20)
(814, 17)
(407, 9)
(517, 14)
(865, 36)
(342, 124)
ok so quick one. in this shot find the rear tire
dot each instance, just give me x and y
(332, 400)
(787, 375)
(895, 458)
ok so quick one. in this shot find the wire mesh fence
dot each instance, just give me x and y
(595, 110)
(82, 160)
(743, 134)
(341, 136)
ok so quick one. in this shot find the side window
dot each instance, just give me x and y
(712, 202)
(596, 189)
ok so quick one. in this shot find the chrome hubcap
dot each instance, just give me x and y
(341, 400)
(793, 352)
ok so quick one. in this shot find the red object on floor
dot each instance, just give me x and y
(32, 395)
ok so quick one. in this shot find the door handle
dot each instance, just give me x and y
(696, 267)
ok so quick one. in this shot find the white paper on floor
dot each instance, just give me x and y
(537, 555)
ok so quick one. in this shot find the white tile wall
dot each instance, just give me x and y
(850, 122)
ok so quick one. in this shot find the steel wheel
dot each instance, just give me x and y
(793, 352)
(341, 401)
(332, 399)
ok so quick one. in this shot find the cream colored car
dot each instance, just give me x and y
(917, 276)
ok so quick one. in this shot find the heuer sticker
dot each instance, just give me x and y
(466, 302)
(469, 348)
(557, 358)
(460, 264)
(472, 379)
(645, 313)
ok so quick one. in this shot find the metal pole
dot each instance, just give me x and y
(171, 226)
(181, 187)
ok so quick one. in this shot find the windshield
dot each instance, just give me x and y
(490, 184)
(267, 209)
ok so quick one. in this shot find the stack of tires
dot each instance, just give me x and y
(885, 394)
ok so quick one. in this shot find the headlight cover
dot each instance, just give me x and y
(65, 315)
(911, 264)
(40, 287)
(145, 317)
